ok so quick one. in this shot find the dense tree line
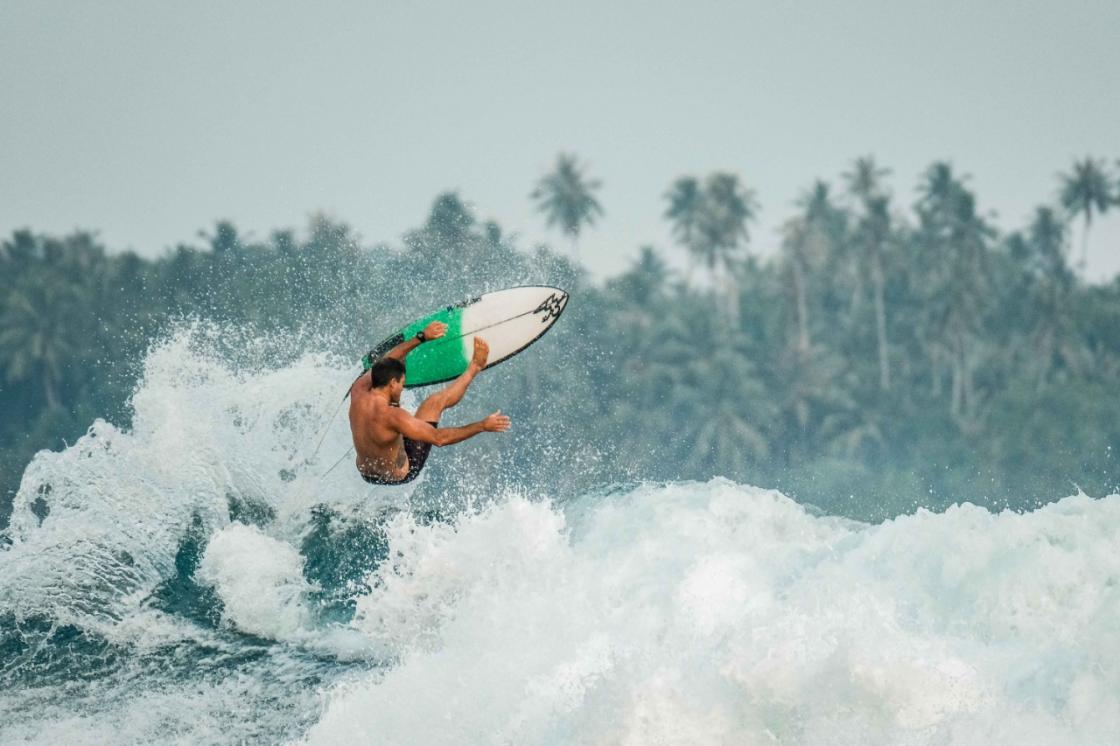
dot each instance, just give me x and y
(892, 355)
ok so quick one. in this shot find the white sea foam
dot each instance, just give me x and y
(240, 708)
(682, 613)
(260, 581)
(204, 433)
(119, 505)
(717, 613)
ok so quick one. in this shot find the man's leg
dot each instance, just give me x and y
(432, 407)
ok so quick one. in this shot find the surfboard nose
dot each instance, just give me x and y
(551, 307)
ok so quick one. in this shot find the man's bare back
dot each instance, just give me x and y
(393, 445)
(380, 447)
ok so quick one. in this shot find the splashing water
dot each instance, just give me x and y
(195, 579)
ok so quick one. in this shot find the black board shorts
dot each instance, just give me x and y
(417, 452)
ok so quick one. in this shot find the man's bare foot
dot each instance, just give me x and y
(481, 353)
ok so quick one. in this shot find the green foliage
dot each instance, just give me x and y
(885, 360)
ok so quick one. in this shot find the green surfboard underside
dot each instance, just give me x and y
(438, 360)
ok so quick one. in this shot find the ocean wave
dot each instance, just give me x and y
(721, 613)
(200, 577)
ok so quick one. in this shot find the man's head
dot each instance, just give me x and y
(388, 372)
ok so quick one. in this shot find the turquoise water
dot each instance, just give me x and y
(196, 580)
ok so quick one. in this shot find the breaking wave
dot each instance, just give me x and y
(197, 579)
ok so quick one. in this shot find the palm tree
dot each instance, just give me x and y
(1047, 245)
(936, 193)
(969, 291)
(865, 183)
(954, 260)
(727, 403)
(35, 333)
(1084, 190)
(450, 220)
(567, 198)
(873, 236)
(814, 406)
(865, 178)
(702, 402)
(811, 240)
(712, 222)
(644, 283)
(1054, 330)
(225, 239)
(727, 210)
(819, 211)
(795, 247)
(685, 204)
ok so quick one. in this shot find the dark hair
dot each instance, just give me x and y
(385, 370)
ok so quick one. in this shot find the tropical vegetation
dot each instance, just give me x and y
(898, 352)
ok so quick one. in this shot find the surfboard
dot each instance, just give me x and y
(509, 320)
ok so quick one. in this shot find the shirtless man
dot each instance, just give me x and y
(392, 444)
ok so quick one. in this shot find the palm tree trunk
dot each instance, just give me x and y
(1045, 356)
(958, 383)
(881, 328)
(803, 340)
(857, 295)
(934, 370)
(968, 396)
(731, 291)
(1085, 243)
(959, 401)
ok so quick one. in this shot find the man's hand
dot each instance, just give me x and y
(434, 330)
(496, 423)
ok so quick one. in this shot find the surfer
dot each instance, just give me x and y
(392, 444)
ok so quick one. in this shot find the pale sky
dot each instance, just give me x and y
(146, 121)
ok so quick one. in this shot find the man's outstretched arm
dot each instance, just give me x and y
(434, 330)
(416, 429)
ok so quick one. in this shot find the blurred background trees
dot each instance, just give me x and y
(887, 358)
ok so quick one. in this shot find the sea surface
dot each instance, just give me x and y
(196, 579)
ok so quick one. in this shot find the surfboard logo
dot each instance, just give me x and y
(551, 307)
(465, 303)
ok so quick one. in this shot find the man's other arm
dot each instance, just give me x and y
(416, 429)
